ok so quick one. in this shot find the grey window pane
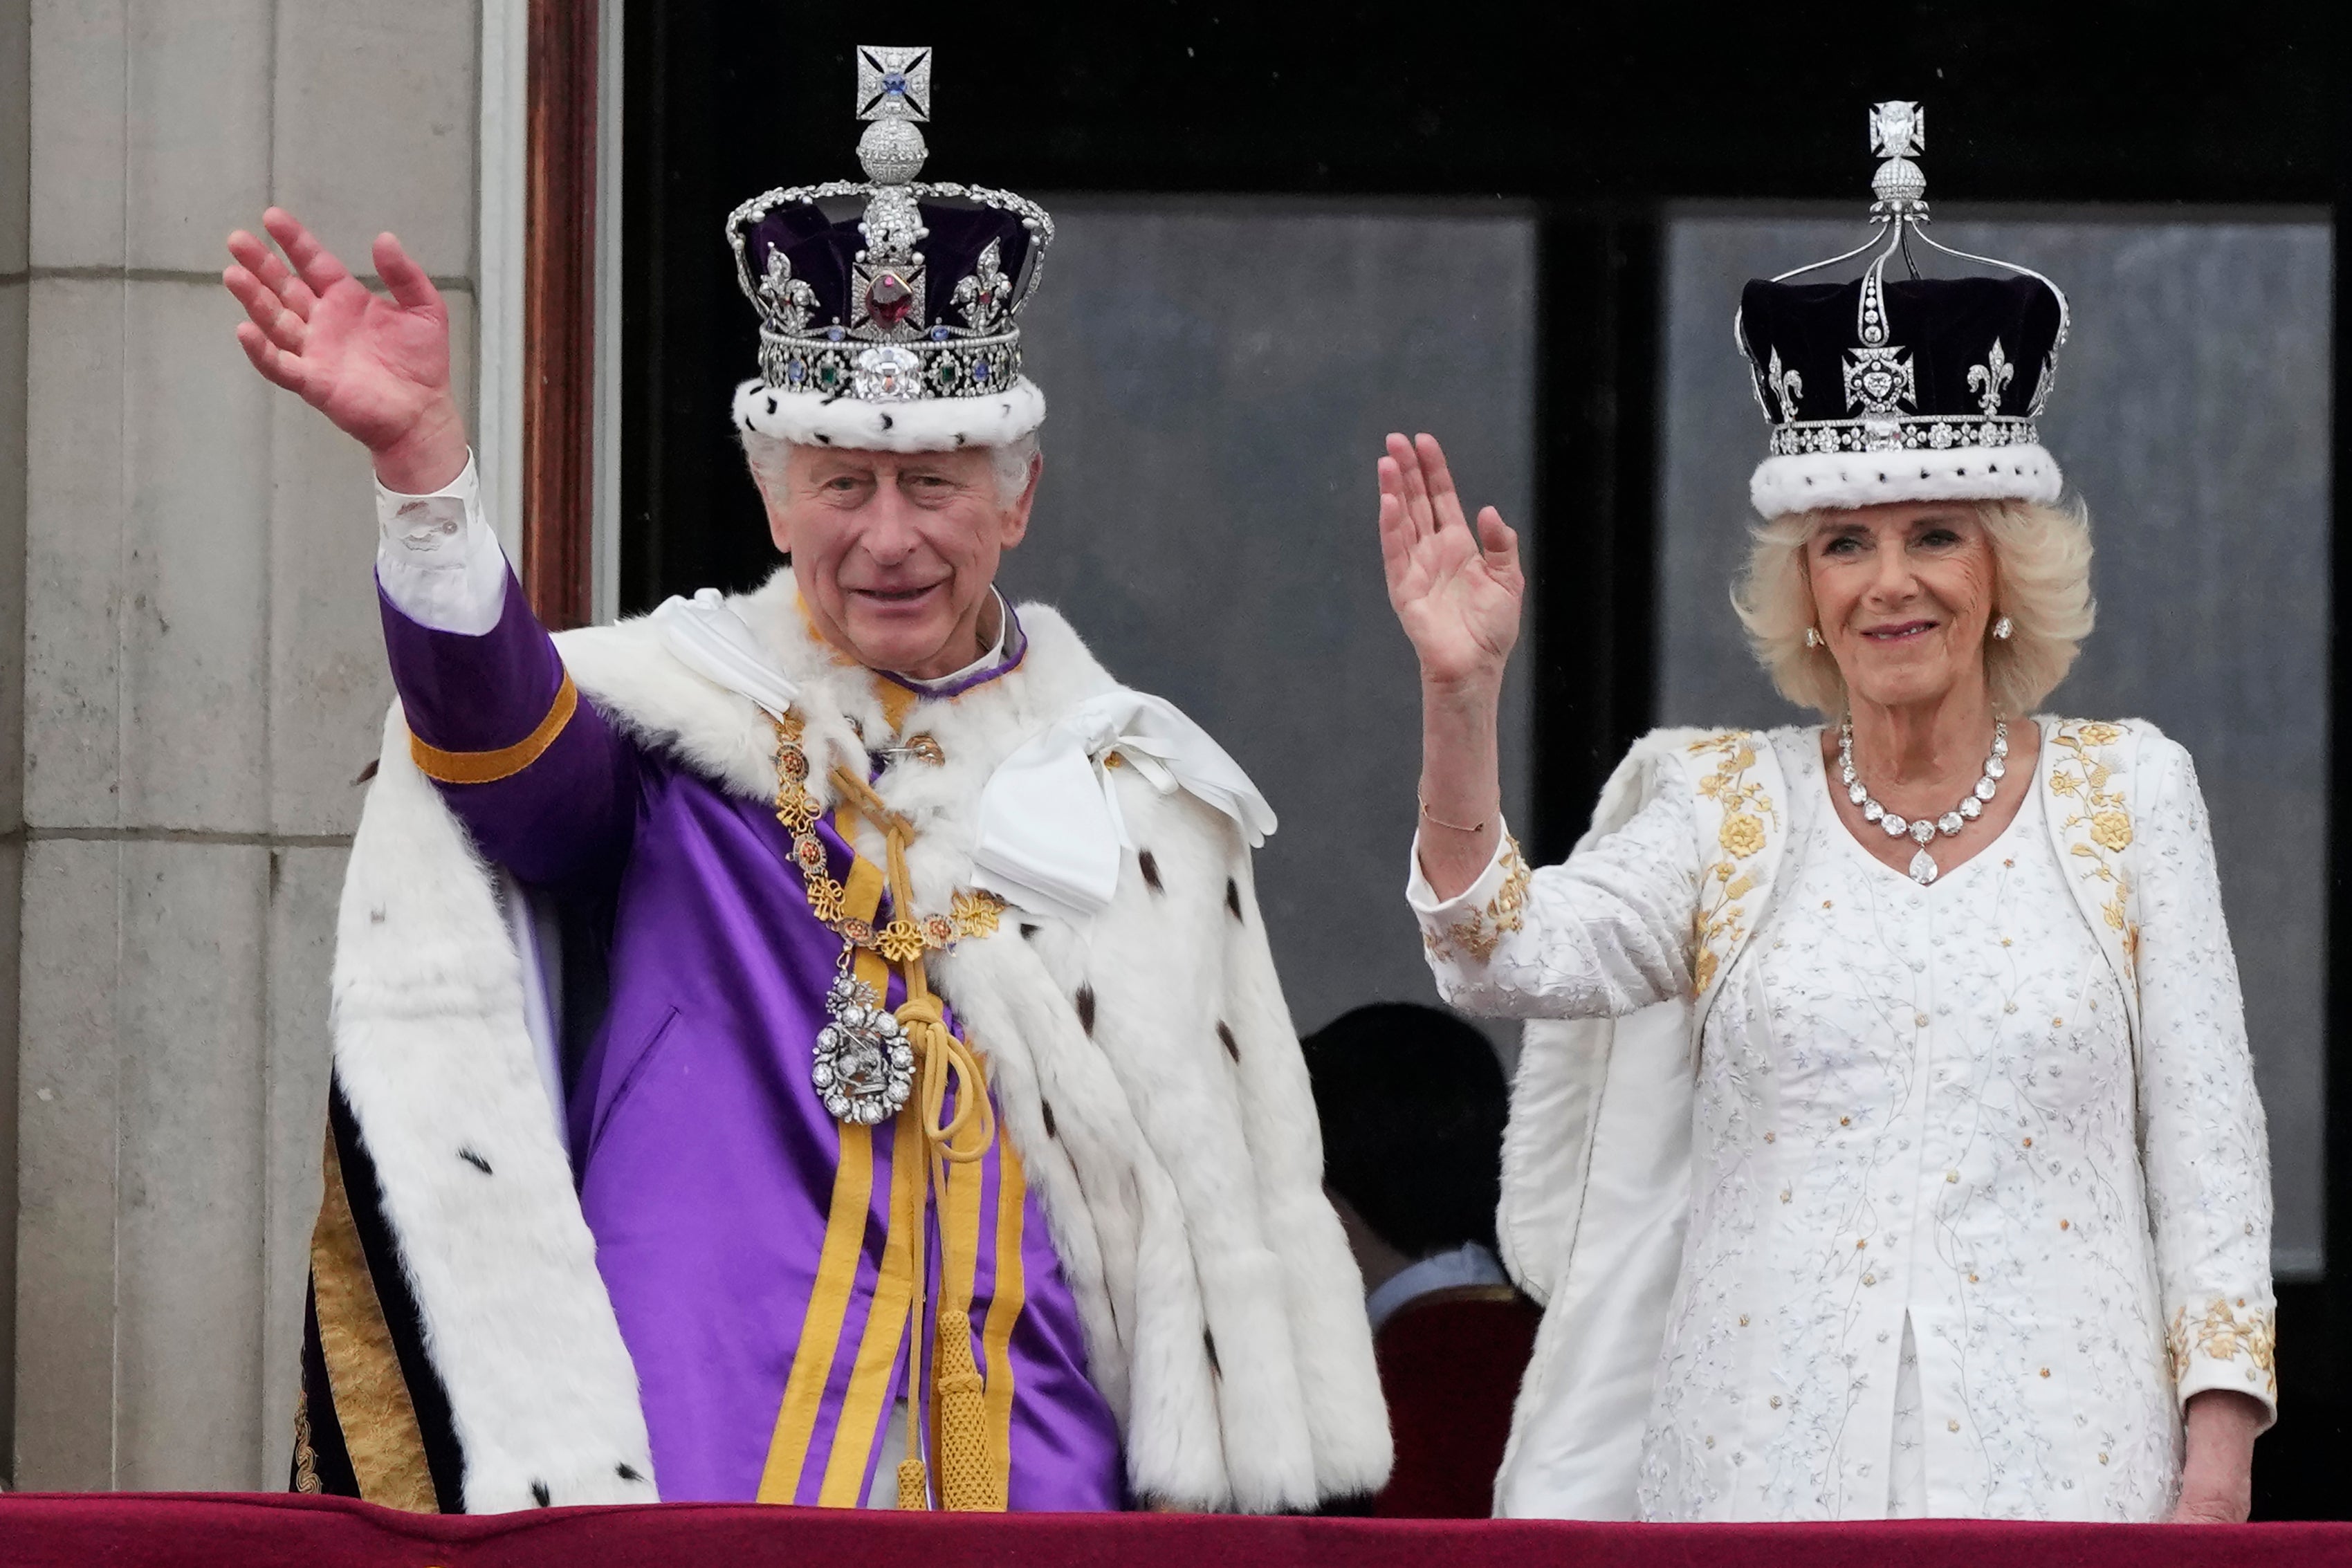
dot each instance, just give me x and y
(1220, 373)
(2192, 412)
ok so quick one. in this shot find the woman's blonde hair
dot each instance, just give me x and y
(2041, 581)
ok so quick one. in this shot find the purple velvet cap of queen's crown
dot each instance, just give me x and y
(893, 326)
(1912, 389)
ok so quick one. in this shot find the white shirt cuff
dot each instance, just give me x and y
(436, 559)
(1441, 913)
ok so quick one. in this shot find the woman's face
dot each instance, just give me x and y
(1902, 593)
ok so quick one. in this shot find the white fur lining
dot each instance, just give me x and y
(1146, 1067)
(919, 424)
(435, 1060)
(1812, 481)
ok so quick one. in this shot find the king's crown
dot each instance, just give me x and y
(848, 306)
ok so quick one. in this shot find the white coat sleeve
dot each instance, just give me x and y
(1602, 935)
(2203, 1143)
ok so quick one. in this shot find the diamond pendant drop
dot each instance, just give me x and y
(1923, 868)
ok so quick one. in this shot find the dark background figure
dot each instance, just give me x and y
(1413, 1102)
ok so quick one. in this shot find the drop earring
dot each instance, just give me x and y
(1813, 636)
(2001, 629)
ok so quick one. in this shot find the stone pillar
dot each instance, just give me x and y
(186, 568)
(15, 126)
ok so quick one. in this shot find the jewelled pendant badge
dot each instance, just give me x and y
(864, 1066)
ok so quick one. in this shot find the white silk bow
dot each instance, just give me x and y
(1051, 836)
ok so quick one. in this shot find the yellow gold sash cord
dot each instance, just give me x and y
(1004, 1307)
(962, 1428)
(836, 1273)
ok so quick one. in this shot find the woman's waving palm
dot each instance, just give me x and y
(1456, 592)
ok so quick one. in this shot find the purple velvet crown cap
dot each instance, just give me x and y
(821, 250)
(1945, 327)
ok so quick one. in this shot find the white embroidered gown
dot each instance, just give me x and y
(1949, 1254)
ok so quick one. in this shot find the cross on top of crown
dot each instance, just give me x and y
(894, 84)
(1898, 129)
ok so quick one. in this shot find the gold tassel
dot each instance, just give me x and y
(912, 1493)
(966, 1479)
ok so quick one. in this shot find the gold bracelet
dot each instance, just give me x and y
(1478, 827)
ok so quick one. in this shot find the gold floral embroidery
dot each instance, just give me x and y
(2083, 776)
(1484, 930)
(1720, 921)
(2222, 1335)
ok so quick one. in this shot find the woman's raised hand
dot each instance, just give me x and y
(378, 367)
(1457, 592)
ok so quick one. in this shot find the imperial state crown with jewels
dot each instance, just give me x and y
(890, 308)
(1911, 389)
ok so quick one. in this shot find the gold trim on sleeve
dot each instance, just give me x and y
(1481, 931)
(2225, 1335)
(490, 767)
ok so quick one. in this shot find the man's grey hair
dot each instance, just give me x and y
(1011, 462)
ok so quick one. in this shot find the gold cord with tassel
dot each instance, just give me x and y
(966, 1474)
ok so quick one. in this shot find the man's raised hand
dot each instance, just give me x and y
(377, 368)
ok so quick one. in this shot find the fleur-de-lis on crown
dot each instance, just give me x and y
(785, 300)
(1787, 386)
(984, 296)
(1989, 380)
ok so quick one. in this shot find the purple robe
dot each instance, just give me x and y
(708, 1168)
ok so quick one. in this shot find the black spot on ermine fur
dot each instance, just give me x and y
(540, 1494)
(475, 1160)
(628, 1472)
(1151, 871)
(1047, 1107)
(1209, 1341)
(1226, 1034)
(1232, 898)
(1086, 1000)
(1028, 932)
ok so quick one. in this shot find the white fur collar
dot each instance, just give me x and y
(631, 675)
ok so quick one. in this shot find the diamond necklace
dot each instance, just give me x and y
(1924, 869)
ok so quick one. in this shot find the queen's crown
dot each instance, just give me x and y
(917, 296)
(1913, 363)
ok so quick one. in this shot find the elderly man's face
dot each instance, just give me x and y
(893, 552)
(1902, 593)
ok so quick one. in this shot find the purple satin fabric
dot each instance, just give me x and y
(705, 1161)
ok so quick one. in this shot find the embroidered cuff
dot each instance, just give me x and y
(2229, 1345)
(1474, 921)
